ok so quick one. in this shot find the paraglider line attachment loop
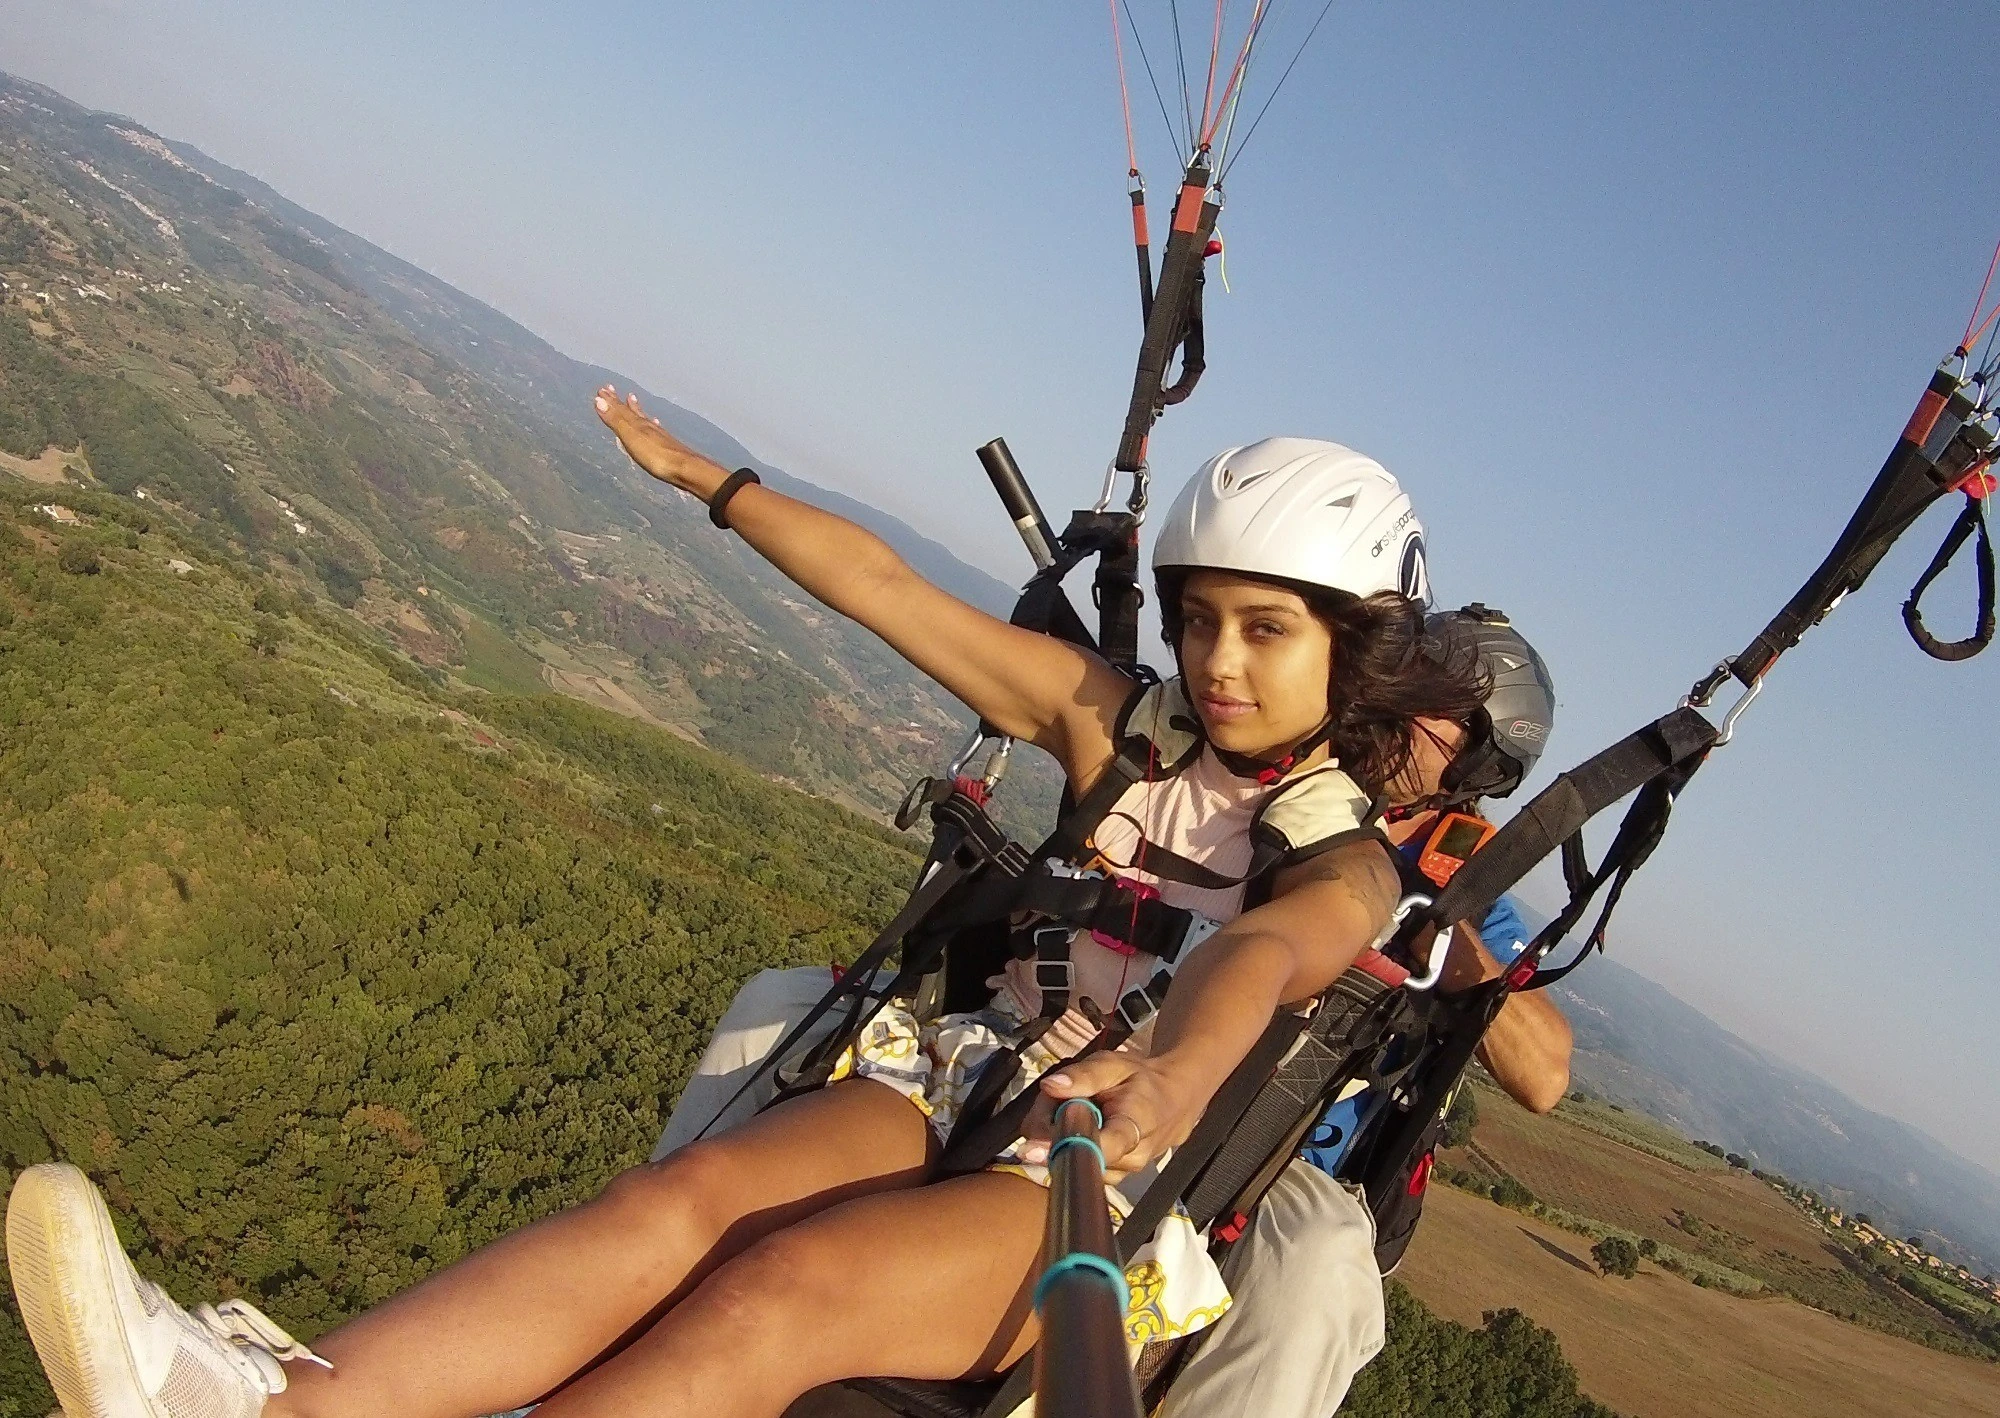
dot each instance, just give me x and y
(1062, 1267)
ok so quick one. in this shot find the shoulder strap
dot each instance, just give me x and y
(1163, 717)
(1158, 736)
(1314, 813)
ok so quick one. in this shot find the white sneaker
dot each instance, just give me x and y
(112, 1343)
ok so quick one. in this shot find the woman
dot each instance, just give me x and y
(814, 1243)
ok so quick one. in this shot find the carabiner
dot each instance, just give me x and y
(1440, 946)
(1736, 712)
(967, 754)
(1136, 503)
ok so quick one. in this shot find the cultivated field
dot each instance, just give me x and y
(1721, 1214)
(1659, 1347)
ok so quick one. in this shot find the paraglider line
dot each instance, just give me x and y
(1989, 329)
(1970, 333)
(1208, 92)
(1139, 43)
(1124, 90)
(1985, 375)
(1232, 96)
(1222, 105)
(1259, 119)
(1180, 61)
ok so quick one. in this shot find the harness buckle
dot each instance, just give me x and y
(1141, 1004)
(1054, 972)
(1135, 1009)
(1138, 891)
(1054, 976)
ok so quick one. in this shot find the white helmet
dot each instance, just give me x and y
(1300, 510)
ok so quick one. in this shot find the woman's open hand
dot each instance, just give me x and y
(649, 445)
(1148, 1107)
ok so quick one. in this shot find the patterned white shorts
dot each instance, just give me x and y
(1176, 1287)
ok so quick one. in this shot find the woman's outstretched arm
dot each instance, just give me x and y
(1321, 917)
(1029, 685)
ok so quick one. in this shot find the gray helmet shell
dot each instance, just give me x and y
(1522, 704)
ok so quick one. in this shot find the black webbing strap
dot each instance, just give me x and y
(1167, 323)
(1113, 537)
(1559, 811)
(1217, 1122)
(1116, 591)
(1657, 761)
(1907, 484)
(1350, 1021)
(1970, 520)
(1645, 823)
(1108, 905)
(1017, 1389)
(1043, 606)
(932, 908)
(1194, 343)
(1471, 1012)
(975, 1142)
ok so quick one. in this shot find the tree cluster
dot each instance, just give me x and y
(1435, 1368)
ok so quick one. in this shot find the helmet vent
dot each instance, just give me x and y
(1342, 503)
(1231, 481)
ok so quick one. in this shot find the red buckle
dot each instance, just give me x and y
(1421, 1178)
(1518, 977)
(1233, 1228)
(839, 971)
(1141, 891)
(1272, 772)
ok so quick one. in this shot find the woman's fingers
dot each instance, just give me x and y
(1120, 1085)
(1131, 1135)
(1084, 1078)
(645, 440)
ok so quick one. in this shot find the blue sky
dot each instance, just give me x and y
(1633, 302)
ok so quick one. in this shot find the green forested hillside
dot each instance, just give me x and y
(177, 341)
(326, 973)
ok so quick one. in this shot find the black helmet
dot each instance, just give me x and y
(1520, 710)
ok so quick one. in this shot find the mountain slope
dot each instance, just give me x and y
(377, 439)
(329, 972)
(1641, 1046)
(556, 389)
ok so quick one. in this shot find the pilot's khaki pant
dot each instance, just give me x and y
(1307, 1311)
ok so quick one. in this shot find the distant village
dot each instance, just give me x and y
(1860, 1226)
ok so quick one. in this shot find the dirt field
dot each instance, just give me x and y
(51, 467)
(1738, 1221)
(1658, 1347)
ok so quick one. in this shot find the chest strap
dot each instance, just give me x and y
(1124, 915)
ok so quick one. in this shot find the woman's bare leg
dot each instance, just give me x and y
(517, 1318)
(933, 1283)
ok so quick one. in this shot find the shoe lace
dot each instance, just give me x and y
(244, 1328)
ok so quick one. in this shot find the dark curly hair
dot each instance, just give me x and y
(1388, 671)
